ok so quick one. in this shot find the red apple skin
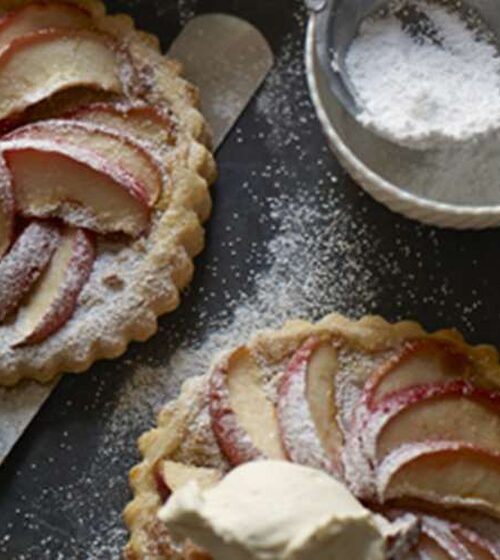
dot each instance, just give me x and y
(396, 401)
(453, 529)
(310, 452)
(8, 124)
(25, 262)
(71, 15)
(358, 442)
(440, 533)
(470, 538)
(387, 410)
(147, 112)
(77, 274)
(61, 131)
(89, 160)
(231, 437)
(458, 361)
(161, 486)
(47, 34)
(448, 455)
(12, 117)
(7, 210)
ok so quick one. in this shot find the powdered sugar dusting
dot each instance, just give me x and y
(421, 92)
(297, 281)
(186, 10)
(15, 404)
(403, 456)
(326, 252)
(300, 435)
(24, 264)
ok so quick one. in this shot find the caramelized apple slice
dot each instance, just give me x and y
(447, 474)
(24, 264)
(145, 123)
(38, 16)
(76, 185)
(306, 407)
(478, 547)
(7, 210)
(243, 418)
(119, 151)
(29, 74)
(454, 411)
(421, 361)
(54, 299)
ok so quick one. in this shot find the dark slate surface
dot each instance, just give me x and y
(59, 497)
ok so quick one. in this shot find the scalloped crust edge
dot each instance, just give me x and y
(371, 334)
(180, 235)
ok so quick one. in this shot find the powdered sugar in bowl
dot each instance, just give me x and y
(411, 107)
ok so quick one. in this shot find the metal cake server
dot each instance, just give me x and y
(228, 73)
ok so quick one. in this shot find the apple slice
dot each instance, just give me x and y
(455, 411)
(486, 526)
(172, 475)
(7, 210)
(177, 475)
(447, 473)
(144, 122)
(29, 74)
(420, 361)
(192, 552)
(430, 549)
(76, 185)
(437, 542)
(306, 408)
(119, 151)
(54, 299)
(477, 546)
(25, 262)
(244, 420)
(38, 16)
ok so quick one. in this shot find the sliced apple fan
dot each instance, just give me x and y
(409, 421)
(104, 177)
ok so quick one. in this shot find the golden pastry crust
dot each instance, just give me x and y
(184, 431)
(132, 284)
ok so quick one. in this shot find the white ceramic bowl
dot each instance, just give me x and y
(351, 143)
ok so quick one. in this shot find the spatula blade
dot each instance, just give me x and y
(228, 59)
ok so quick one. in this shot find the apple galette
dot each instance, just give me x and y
(104, 173)
(408, 421)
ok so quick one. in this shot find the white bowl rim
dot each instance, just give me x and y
(433, 212)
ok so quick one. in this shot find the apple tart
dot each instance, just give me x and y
(104, 174)
(408, 421)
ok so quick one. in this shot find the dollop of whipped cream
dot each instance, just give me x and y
(274, 510)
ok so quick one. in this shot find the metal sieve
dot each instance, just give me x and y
(397, 176)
